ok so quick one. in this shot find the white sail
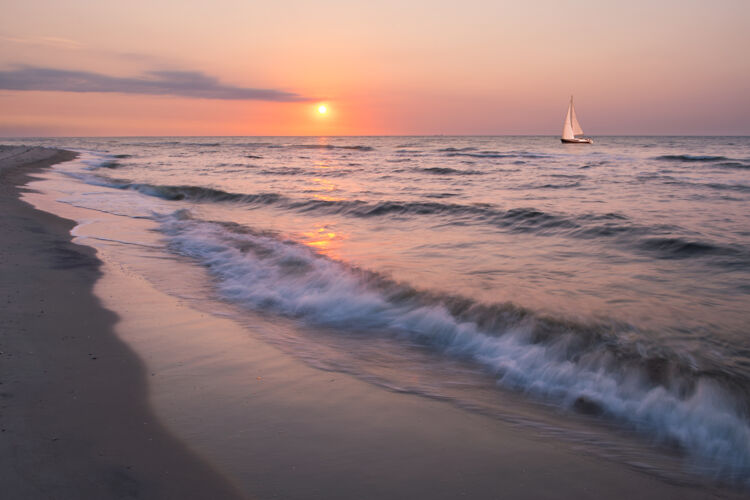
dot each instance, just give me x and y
(571, 127)
(568, 132)
(577, 130)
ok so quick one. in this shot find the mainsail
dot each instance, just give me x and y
(571, 127)
(577, 130)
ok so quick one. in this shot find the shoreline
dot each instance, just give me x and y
(74, 412)
(276, 426)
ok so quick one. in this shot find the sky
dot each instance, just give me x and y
(226, 67)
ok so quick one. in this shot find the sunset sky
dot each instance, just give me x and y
(79, 68)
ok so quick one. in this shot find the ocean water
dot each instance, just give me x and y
(596, 293)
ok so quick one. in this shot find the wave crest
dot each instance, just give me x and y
(593, 368)
(660, 240)
(692, 158)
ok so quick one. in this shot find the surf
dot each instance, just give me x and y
(593, 368)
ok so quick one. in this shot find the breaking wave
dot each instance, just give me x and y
(597, 369)
(101, 160)
(197, 193)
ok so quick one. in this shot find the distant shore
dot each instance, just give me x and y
(74, 416)
(91, 355)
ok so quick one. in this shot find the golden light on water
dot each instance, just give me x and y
(323, 240)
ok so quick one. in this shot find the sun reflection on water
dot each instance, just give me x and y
(324, 240)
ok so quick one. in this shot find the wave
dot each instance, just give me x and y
(456, 150)
(329, 146)
(441, 195)
(177, 193)
(681, 248)
(250, 145)
(612, 371)
(657, 239)
(733, 164)
(281, 171)
(95, 162)
(551, 186)
(712, 185)
(494, 154)
(568, 176)
(203, 144)
(196, 193)
(692, 158)
(148, 144)
(713, 161)
(356, 208)
(728, 187)
(109, 164)
(449, 171)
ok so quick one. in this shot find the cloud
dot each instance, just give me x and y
(173, 83)
(48, 41)
(66, 46)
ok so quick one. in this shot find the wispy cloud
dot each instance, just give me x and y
(174, 83)
(53, 44)
(47, 41)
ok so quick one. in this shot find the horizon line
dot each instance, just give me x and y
(352, 135)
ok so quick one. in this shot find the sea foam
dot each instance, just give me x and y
(581, 368)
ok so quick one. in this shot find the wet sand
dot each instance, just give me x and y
(81, 405)
(74, 415)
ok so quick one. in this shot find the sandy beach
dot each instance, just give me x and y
(112, 388)
(75, 420)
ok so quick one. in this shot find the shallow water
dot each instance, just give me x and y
(608, 281)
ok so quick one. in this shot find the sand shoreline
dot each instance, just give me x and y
(74, 411)
(273, 425)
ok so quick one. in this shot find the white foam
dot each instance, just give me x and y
(264, 272)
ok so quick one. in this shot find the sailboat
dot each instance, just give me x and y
(572, 129)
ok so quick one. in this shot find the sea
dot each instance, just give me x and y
(594, 294)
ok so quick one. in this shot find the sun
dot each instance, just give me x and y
(322, 109)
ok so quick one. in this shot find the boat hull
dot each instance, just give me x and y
(577, 141)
